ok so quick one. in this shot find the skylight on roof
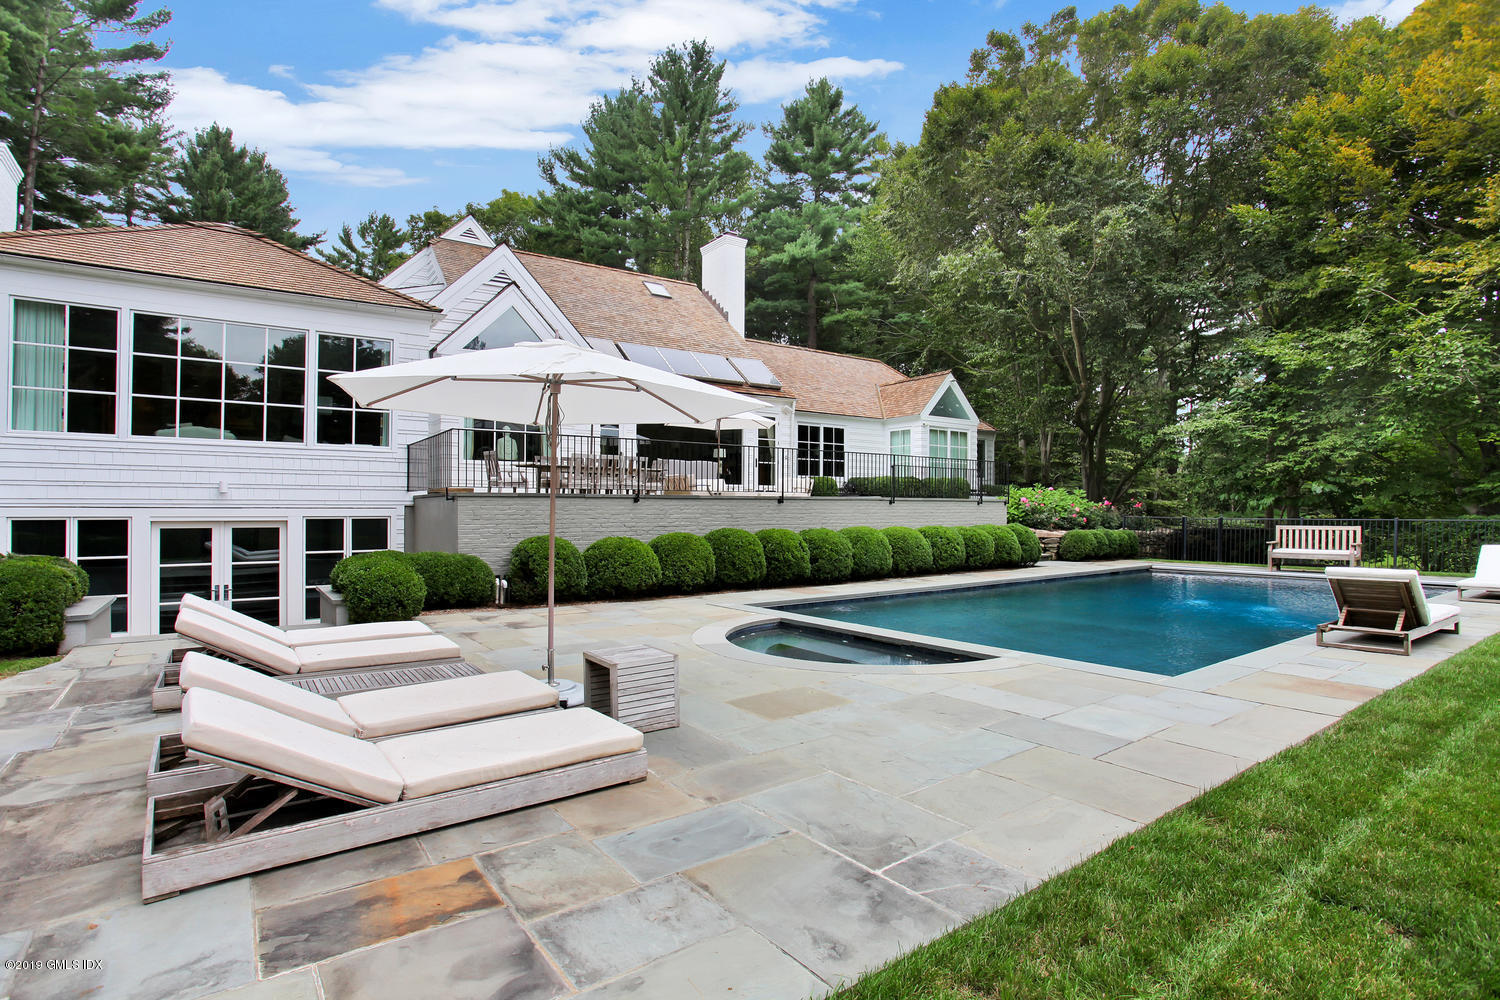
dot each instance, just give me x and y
(658, 289)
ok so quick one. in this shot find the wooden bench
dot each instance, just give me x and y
(1315, 543)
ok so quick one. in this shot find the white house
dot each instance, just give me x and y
(843, 415)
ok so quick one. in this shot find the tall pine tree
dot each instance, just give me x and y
(821, 166)
(657, 173)
(76, 114)
(219, 181)
(372, 249)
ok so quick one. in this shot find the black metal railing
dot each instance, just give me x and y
(517, 461)
(1430, 545)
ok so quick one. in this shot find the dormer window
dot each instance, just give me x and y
(658, 289)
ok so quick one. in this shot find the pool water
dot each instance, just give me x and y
(1164, 623)
(807, 642)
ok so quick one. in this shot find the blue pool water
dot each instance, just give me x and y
(807, 642)
(1165, 623)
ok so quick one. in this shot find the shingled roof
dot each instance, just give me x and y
(909, 396)
(614, 304)
(825, 382)
(203, 251)
(455, 258)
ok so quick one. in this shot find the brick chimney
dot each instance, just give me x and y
(724, 277)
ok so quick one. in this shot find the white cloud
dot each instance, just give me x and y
(515, 74)
(1393, 12)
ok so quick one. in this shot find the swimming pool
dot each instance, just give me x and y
(1161, 622)
(821, 645)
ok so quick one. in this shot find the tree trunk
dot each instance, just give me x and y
(812, 311)
(33, 140)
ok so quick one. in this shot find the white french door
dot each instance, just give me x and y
(240, 564)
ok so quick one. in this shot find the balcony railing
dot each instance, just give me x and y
(476, 460)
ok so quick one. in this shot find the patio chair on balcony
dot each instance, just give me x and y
(294, 791)
(1486, 578)
(503, 475)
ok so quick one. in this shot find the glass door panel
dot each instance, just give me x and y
(255, 572)
(239, 565)
(185, 565)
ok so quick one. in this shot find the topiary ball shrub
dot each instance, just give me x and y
(825, 486)
(78, 579)
(1031, 546)
(687, 562)
(353, 564)
(384, 589)
(1007, 546)
(910, 551)
(871, 552)
(621, 567)
(34, 593)
(947, 547)
(979, 547)
(1078, 545)
(830, 555)
(739, 559)
(454, 580)
(526, 574)
(1130, 543)
(787, 558)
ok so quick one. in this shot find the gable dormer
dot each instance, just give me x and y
(468, 230)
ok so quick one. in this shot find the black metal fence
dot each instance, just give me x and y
(1430, 545)
(517, 461)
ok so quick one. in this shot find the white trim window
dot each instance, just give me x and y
(202, 378)
(328, 539)
(901, 442)
(63, 367)
(948, 450)
(820, 450)
(340, 421)
(100, 545)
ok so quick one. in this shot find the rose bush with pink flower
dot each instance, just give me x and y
(1047, 507)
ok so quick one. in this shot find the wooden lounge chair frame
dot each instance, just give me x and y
(1366, 608)
(247, 826)
(166, 694)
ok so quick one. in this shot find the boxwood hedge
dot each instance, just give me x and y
(871, 552)
(526, 575)
(787, 558)
(380, 587)
(910, 552)
(739, 559)
(947, 547)
(34, 593)
(979, 547)
(454, 580)
(1031, 545)
(621, 567)
(830, 555)
(687, 562)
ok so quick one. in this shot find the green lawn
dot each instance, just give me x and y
(24, 663)
(1363, 863)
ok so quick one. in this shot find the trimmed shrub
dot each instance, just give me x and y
(1080, 544)
(385, 588)
(947, 547)
(910, 551)
(787, 558)
(1128, 543)
(868, 486)
(949, 487)
(830, 555)
(871, 552)
(454, 580)
(621, 567)
(77, 577)
(739, 559)
(687, 562)
(979, 547)
(34, 593)
(1031, 546)
(353, 564)
(1007, 546)
(825, 486)
(526, 574)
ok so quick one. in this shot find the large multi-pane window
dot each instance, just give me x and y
(901, 442)
(330, 539)
(100, 545)
(509, 442)
(949, 405)
(340, 421)
(820, 450)
(949, 450)
(196, 378)
(63, 368)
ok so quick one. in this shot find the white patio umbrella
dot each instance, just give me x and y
(551, 382)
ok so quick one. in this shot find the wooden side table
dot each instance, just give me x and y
(635, 684)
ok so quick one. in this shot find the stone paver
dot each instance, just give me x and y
(802, 826)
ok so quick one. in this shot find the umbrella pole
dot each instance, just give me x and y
(552, 390)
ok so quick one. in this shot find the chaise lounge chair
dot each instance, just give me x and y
(367, 715)
(360, 662)
(1486, 578)
(1383, 602)
(306, 792)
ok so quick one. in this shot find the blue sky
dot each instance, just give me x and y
(400, 105)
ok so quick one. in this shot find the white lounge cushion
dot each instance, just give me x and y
(239, 642)
(376, 652)
(1442, 612)
(305, 637)
(199, 670)
(444, 703)
(1402, 577)
(217, 724)
(1487, 573)
(444, 759)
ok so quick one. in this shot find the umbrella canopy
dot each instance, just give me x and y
(749, 421)
(510, 384)
(551, 382)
